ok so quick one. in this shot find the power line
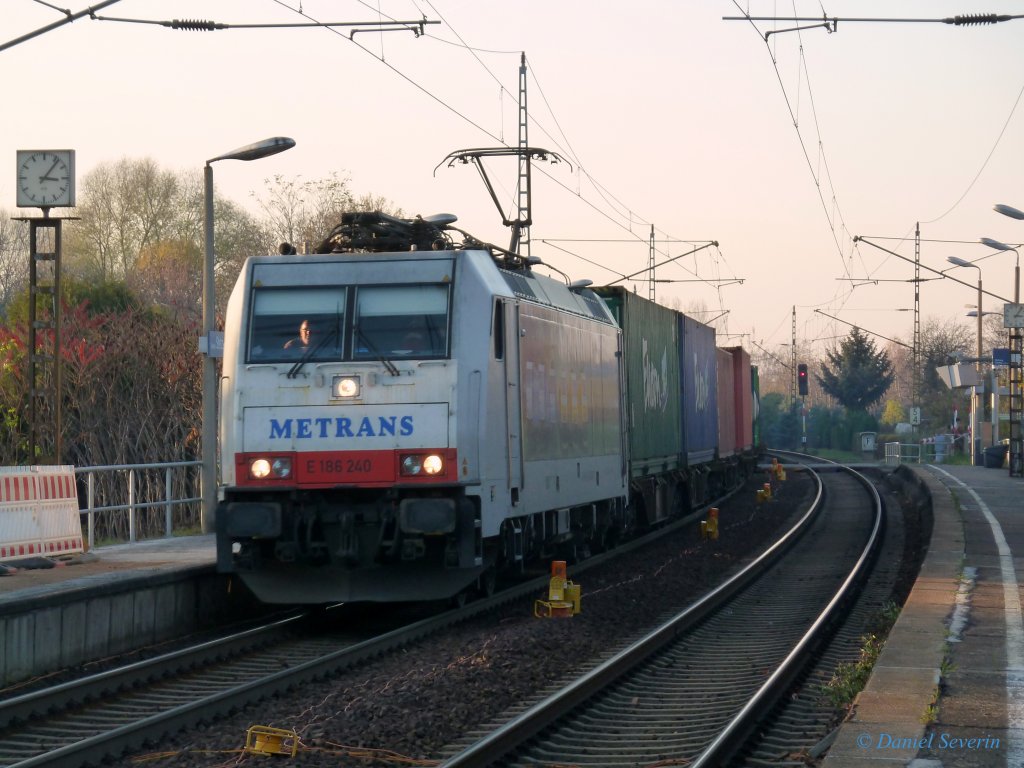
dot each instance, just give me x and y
(984, 164)
(69, 17)
(832, 24)
(600, 188)
(861, 328)
(803, 146)
(416, 26)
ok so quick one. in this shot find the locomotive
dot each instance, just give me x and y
(409, 412)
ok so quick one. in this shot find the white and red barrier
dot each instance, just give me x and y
(39, 513)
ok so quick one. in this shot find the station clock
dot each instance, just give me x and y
(46, 178)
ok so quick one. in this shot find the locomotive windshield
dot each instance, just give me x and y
(313, 324)
(401, 321)
(288, 323)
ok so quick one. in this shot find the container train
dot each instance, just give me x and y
(410, 412)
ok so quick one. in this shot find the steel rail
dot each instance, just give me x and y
(496, 745)
(37, 703)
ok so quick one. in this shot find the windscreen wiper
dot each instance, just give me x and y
(388, 365)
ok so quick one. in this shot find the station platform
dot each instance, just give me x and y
(103, 566)
(108, 601)
(948, 688)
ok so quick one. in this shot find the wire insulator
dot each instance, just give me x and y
(977, 18)
(196, 25)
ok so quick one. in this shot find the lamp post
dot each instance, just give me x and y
(975, 421)
(999, 246)
(208, 476)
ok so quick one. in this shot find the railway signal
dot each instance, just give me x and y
(801, 378)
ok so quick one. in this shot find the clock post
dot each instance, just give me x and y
(45, 179)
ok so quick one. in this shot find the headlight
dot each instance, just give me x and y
(345, 386)
(261, 469)
(414, 464)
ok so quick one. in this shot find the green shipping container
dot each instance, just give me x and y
(650, 340)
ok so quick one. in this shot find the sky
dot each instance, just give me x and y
(664, 113)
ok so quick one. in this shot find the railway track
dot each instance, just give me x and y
(105, 715)
(804, 722)
(693, 690)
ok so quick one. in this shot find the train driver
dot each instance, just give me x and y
(301, 342)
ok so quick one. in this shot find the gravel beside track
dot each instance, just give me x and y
(411, 704)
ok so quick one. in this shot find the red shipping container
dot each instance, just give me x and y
(742, 398)
(726, 404)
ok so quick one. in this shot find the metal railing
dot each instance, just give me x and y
(935, 450)
(899, 453)
(130, 493)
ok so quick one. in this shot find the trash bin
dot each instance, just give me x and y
(995, 455)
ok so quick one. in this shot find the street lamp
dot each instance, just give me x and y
(975, 421)
(964, 263)
(999, 246)
(1009, 210)
(208, 476)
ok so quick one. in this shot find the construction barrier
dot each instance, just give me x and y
(39, 513)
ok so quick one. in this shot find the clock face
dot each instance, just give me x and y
(1013, 315)
(46, 178)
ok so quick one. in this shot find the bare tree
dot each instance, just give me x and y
(303, 211)
(942, 340)
(237, 236)
(994, 335)
(372, 202)
(168, 273)
(13, 258)
(125, 206)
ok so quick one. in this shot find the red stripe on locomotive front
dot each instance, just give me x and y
(359, 469)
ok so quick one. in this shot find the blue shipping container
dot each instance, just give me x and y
(698, 374)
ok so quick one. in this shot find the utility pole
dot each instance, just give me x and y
(915, 374)
(792, 355)
(526, 154)
(523, 189)
(650, 265)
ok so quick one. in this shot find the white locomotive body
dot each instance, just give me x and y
(444, 415)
